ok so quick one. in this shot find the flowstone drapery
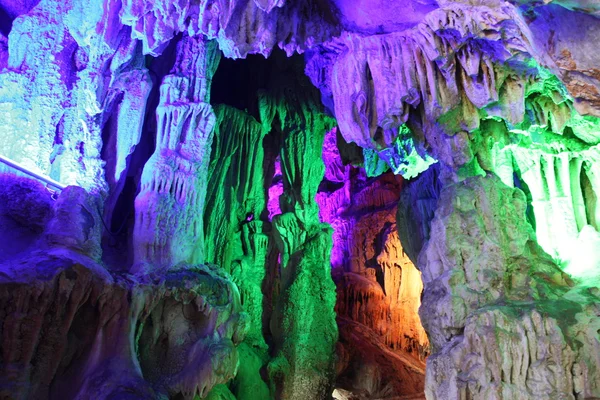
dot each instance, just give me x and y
(221, 239)
(169, 208)
(306, 332)
(504, 320)
(237, 238)
(279, 260)
(465, 85)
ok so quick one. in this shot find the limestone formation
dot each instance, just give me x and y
(307, 22)
(502, 317)
(169, 208)
(273, 243)
(72, 330)
(288, 199)
(236, 235)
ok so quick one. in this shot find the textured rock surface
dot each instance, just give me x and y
(70, 329)
(307, 333)
(169, 208)
(378, 287)
(458, 97)
(237, 239)
(272, 242)
(306, 22)
(569, 52)
(503, 319)
(380, 82)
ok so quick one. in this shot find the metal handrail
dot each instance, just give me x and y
(17, 166)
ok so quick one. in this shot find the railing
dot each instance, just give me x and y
(19, 167)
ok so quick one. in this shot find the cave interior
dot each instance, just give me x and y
(299, 199)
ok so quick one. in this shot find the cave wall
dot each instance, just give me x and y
(269, 229)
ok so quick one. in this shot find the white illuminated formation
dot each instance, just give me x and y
(169, 208)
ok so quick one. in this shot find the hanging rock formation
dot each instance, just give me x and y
(426, 225)
(307, 22)
(463, 82)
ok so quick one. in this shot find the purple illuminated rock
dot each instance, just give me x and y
(293, 25)
(169, 208)
(71, 329)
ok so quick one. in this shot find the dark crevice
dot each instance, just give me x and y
(520, 184)
(120, 210)
(5, 22)
(590, 200)
(236, 83)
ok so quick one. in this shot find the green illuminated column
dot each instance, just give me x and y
(303, 322)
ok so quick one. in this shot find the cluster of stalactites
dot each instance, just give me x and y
(562, 189)
(459, 65)
(155, 23)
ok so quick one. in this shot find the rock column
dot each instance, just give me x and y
(169, 209)
(303, 322)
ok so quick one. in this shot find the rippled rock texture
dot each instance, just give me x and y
(286, 199)
(71, 329)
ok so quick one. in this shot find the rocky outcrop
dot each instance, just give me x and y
(71, 329)
(504, 320)
(380, 82)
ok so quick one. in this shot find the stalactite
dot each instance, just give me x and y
(423, 62)
(553, 180)
(156, 23)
